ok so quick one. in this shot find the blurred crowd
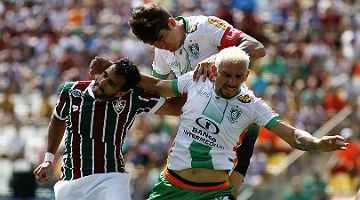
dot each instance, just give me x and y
(310, 73)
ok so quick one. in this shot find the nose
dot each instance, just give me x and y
(232, 82)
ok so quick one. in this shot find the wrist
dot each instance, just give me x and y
(49, 157)
(317, 144)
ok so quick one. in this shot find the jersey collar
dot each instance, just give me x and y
(89, 91)
(186, 23)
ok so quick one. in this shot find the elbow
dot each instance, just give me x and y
(261, 52)
(257, 51)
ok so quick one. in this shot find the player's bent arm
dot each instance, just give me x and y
(251, 46)
(157, 86)
(55, 134)
(172, 106)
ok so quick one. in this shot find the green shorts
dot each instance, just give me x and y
(165, 190)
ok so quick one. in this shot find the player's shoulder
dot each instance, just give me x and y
(191, 20)
(213, 21)
(196, 24)
(78, 85)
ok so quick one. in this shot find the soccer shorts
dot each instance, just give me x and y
(109, 186)
(171, 187)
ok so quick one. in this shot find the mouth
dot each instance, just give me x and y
(230, 89)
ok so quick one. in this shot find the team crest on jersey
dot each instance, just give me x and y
(76, 93)
(194, 50)
(192, 28)
(119, 105)
(244, 98)
(234, 114)
(218, 22)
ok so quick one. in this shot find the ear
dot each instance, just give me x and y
(121, 93)
(171, 22)
(247, 74)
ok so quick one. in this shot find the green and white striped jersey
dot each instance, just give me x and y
(210, 126)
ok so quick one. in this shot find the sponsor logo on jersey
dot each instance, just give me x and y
(203, 93)
(244, 98)
(76, 93)
(75, 108)
(192, 28)
(218, 22)
(194, 50)
(208, 125)
(174, 64)
(119, 105)
(234, 114)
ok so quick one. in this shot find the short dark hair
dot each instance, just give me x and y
(148, 20)
(129, 70)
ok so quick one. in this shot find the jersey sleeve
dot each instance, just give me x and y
(264, 115)
(61, 109)
(160, 68)
(181, 85)
(148, 102)
(223, 34)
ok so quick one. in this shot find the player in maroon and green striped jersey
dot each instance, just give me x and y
(96, 115)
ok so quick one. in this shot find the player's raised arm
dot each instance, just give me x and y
(165, 88)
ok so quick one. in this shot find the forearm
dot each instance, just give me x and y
(172, 106)
(149, 84)
(296, 138)
(55, 134)
(236, 180)
(156, 86)
(303, 140)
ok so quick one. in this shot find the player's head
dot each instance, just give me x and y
(116, 80)
(154, 25)
(232, 65)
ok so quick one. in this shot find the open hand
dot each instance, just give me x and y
(332, 143)
(206, 68)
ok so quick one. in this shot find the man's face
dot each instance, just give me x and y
(107, 84)
(229, 79)
(169, 39)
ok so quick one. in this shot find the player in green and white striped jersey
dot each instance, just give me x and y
(214, 117)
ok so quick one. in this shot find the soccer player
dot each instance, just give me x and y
(183, 43)
(214, 117)
(96, 116)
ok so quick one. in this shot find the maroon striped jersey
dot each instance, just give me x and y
(95, 130)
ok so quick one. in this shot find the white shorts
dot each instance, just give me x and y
(108, 186)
